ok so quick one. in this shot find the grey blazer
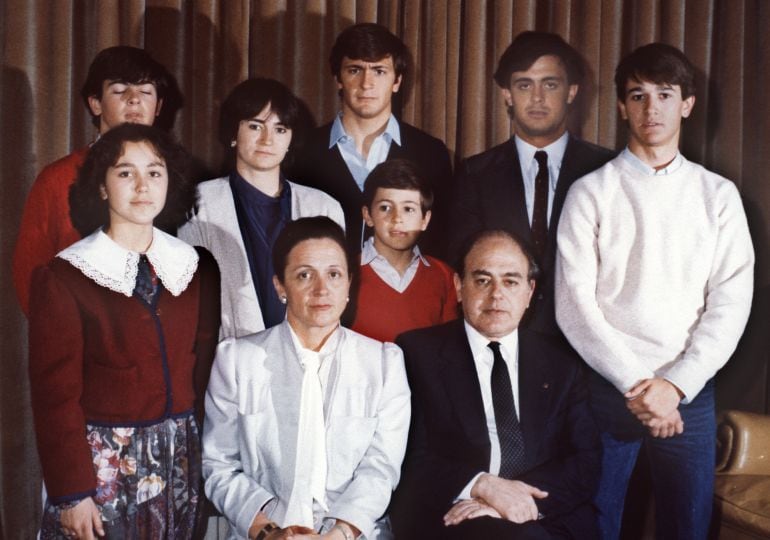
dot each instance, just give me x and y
(215, 227)
(250, 432)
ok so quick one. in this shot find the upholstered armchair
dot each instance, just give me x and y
(742, 490)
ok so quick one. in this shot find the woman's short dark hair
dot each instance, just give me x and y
(528, 46)
(128, 65)
(369, 42)
(398, 173)
(658, 63)
(308, 228)
(247, 100)
(89, 211)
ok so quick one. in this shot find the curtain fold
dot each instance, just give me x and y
(211, 45)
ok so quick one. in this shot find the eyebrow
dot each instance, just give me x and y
(385, 200)
(124, 164)
(658, 87)
(263, 122)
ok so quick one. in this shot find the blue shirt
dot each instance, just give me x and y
(378, 152)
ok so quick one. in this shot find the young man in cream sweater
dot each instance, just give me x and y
(654, 278)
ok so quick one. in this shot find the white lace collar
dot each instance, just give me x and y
(114, 267)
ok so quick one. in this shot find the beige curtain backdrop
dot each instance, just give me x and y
(210, 45)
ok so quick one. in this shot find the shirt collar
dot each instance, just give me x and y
(112, 266)
(634, 160)
(555, 152)
(479, 343)
(328, 349)
(392, 131)
(369, 253)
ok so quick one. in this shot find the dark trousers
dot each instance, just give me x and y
(682, 466)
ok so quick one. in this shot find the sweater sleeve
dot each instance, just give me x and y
(577, 311)
(56, 380)
(727, 300)
(45, 224)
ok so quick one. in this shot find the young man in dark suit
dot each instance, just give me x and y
(520, 185)
(369, 64)
(502, 443)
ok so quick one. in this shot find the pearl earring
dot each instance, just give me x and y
(283, 299)
(232, 144)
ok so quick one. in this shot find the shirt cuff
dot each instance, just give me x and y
(465, 494)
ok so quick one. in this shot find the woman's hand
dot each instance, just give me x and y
(82, 520)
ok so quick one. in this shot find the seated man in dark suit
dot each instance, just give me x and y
(502, 444)
(369, 64)
(520, 185)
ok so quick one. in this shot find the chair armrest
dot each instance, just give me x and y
(743, 443)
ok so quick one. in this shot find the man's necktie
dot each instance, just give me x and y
(540, 209)
(506, 419)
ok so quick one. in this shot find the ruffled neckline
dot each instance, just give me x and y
(114, 267)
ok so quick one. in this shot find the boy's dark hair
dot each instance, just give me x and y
(247, 100)
(658, 63)
(533, 272)
(398, 174)
(528, 46)
(128, 65)
(369, 42)
(89, 211)
(308, 228)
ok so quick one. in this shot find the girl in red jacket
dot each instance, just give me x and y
(123, 326)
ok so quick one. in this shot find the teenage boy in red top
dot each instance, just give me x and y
(124, 84)
(399, 288)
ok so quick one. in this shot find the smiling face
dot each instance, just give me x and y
(316, 284)
(367, 87)
(261, 144)
(397, 218)
(539, 100)
(495, 290)
(135, 186)
(654, 114)
(122, 102)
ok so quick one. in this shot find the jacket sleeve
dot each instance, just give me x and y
(56, 381)
(233, 492)
(207, 334)
(366, 497)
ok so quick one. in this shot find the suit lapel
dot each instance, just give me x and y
(505, 197)
(343, 180)
(567, 171)
(535, 390)
(462, 384)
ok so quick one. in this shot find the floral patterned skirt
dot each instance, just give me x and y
(148, 480)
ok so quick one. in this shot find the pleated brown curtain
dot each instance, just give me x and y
(210, 45)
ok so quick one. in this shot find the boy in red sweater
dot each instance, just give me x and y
(399, 288)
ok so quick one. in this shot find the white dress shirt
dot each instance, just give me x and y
(483, 359)
(529, 168)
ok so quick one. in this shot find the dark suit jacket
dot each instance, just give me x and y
(323, 168)
(489, 194)
(449, 442)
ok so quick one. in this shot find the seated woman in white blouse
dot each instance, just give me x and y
(306, 423)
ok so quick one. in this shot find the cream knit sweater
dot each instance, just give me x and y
(654, 274)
